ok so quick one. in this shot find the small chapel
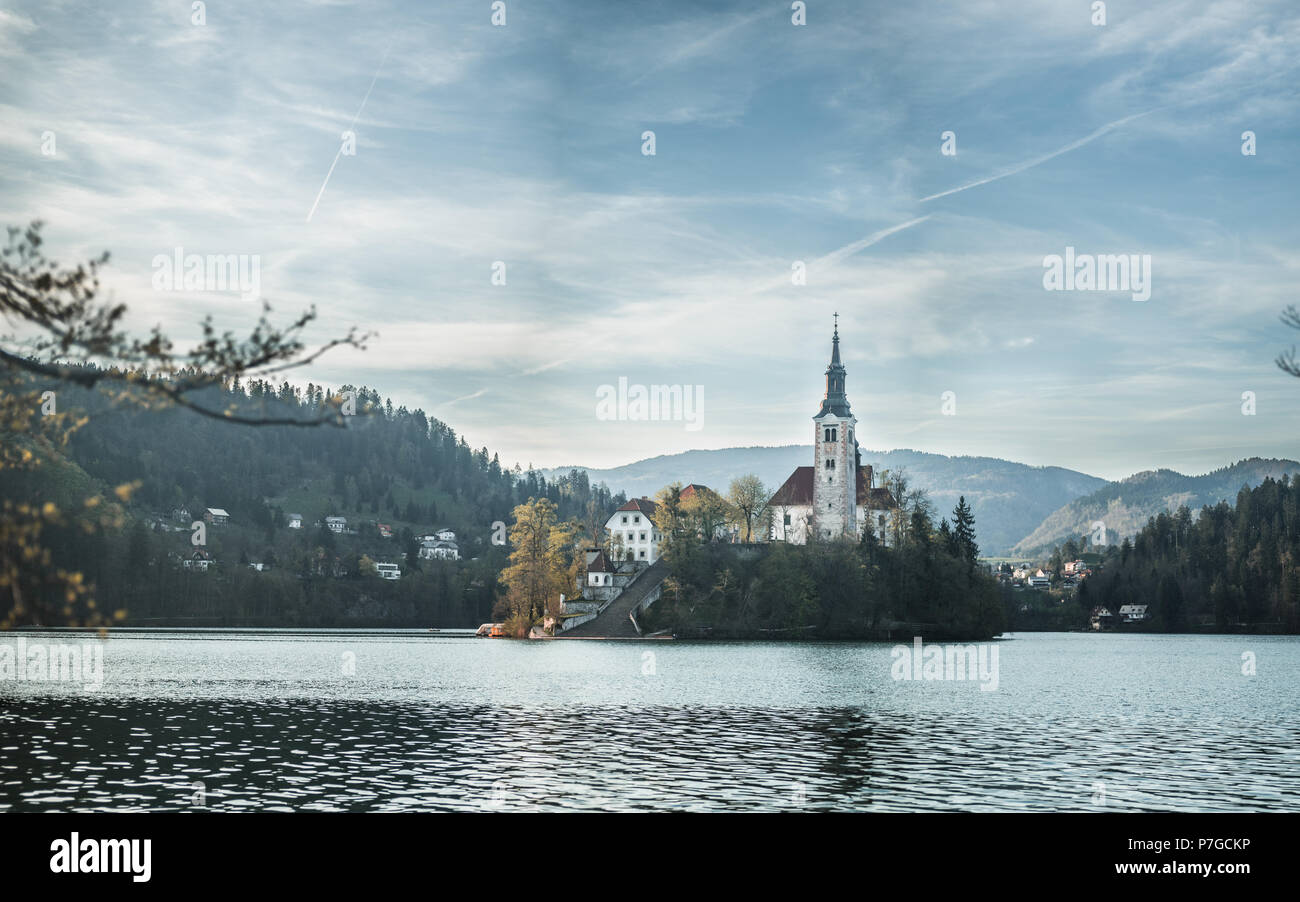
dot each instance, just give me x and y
(837, 496)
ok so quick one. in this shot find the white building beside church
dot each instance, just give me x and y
(836, 497)
(633, 535)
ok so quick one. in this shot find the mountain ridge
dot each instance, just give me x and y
(1012, 501)
(1009, 499)
(1124, 506)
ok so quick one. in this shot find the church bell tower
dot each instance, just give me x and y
(835, 471)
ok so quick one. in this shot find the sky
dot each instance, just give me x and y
(774, 143)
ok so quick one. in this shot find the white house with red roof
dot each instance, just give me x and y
(633, 535)
(836, 497)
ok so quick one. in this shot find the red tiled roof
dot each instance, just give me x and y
(691, 489)
(643, 505)
(798, 490)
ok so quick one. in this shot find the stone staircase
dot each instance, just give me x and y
(615, 621)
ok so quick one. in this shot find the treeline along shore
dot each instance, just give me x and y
(117, 501)
(120, 499)
(920, 579)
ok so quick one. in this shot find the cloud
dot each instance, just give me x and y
(13, 26)
(777, 144)
(478, 394)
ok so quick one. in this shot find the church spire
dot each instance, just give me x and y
(835, 402)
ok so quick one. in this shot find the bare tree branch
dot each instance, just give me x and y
(1287, 361)
(79, 341)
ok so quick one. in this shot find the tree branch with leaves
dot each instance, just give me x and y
(59, 333)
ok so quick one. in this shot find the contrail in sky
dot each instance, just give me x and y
(839, 254)
(350, 127)
(1030, 164)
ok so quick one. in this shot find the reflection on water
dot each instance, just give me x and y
(260, 722)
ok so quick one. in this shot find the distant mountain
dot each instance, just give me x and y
(1009, 499)
(1126, 506)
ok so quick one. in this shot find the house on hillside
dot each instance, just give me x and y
(385, 530)
(388, 571)
(1132, 613)
(1040, 580)
(438, 550)
(295, 521)
(1101, 618)
(198, 560)
(216, 516)
(633, 535)
(336, 524)
(445, 535)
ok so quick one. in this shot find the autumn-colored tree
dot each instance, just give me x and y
(707, 513)
(670, 518)
(542, 564)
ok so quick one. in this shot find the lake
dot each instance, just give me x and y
(389, 720)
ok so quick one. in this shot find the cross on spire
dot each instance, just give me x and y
(835, 401)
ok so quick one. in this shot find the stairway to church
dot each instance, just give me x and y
(613, 622)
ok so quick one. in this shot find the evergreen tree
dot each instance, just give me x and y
(964, 531)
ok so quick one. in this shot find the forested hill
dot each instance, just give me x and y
(386, 465)
(1229, 567)
(390, 464)
(1126, 506)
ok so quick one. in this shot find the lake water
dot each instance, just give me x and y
(414, 721)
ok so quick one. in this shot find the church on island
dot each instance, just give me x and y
(833, 500)
(837, 496)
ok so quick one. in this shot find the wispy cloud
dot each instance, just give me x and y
(775, 144)
(478, 394)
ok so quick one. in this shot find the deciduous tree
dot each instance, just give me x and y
(749, 497)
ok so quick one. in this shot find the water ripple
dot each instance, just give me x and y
(1121, 724)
